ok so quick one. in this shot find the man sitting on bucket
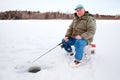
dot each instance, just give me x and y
(80, 33)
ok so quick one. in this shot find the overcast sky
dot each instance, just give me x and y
(93, 6)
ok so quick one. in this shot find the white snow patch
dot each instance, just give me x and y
(22, 41)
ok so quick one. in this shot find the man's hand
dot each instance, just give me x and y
(66, 39)
(78, 37)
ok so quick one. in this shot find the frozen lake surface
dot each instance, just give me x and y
(22, 41)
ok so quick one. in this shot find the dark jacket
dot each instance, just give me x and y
(84, 26)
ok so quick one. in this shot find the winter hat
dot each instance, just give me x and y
(79, 7)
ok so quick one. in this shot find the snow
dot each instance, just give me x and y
(22, 41)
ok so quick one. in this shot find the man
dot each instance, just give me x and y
(80, 33)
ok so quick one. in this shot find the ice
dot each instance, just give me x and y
(22, 41)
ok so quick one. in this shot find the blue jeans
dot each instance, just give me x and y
(79, 47)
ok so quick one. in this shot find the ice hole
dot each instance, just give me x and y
(34, 69)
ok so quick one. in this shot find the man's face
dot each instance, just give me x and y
(80, 12)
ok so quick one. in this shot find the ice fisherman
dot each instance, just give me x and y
(80, 33)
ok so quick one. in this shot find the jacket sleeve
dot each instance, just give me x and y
(91, 29)
(69, 31)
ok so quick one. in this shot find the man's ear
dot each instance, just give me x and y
(75, 14)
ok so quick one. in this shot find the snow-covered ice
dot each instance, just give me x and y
(22, 41)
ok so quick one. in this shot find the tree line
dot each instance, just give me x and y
(16, 15)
